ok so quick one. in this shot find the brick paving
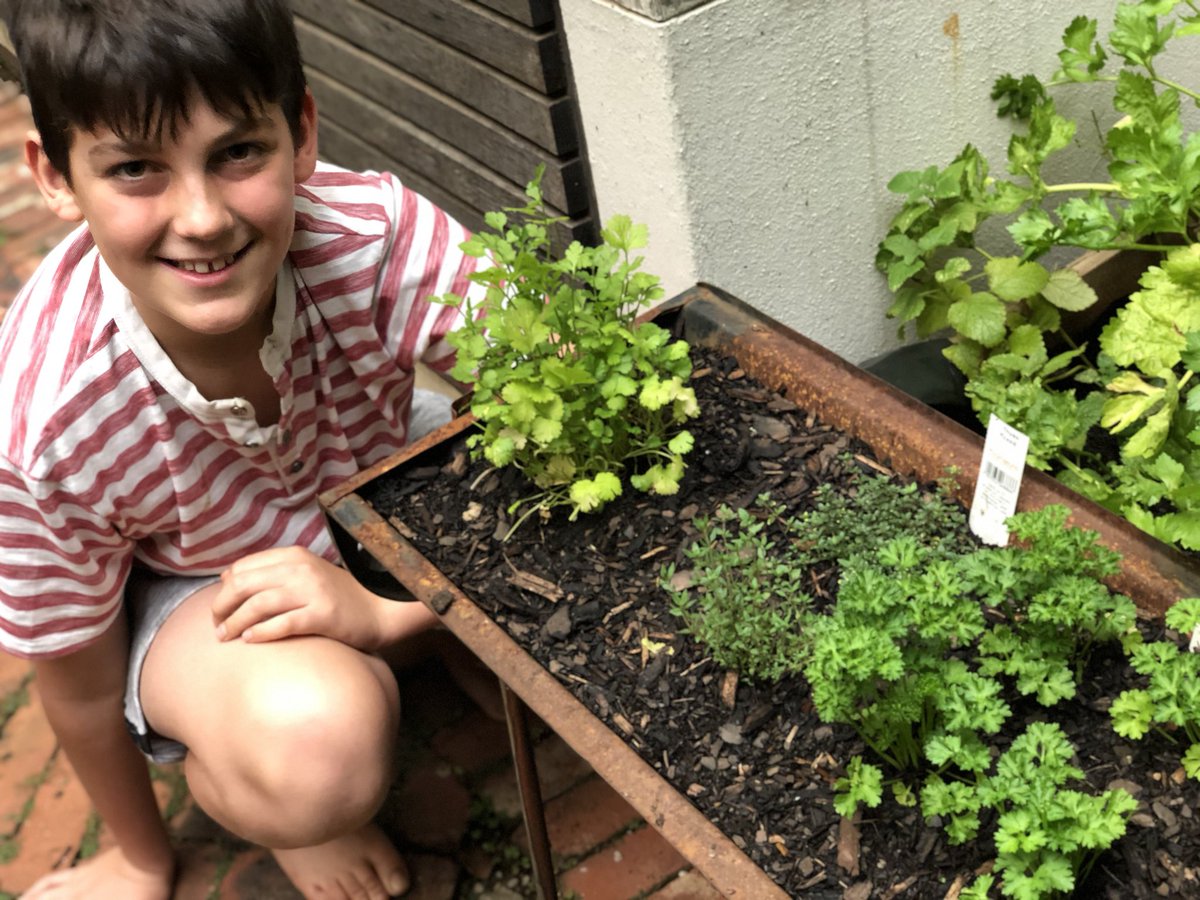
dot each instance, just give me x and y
(453, 809)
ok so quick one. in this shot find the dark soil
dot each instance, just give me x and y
(581, 596)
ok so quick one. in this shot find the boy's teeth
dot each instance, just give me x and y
(203, 267)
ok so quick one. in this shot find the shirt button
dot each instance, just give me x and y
(297, 466)
(252, 444)
(240, 410)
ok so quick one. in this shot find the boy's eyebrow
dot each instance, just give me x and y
(238, 129)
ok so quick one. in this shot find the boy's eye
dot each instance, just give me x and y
(241, 152)
(133, 169)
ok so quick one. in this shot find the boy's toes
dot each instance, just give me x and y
(391, 874)
(396, 883)
(362, 865)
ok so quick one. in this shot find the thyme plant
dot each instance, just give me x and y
(742, 600)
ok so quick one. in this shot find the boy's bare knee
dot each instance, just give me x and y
(314, 747)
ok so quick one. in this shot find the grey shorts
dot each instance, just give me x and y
(149, 600)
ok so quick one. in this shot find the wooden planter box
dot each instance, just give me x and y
(912, 439)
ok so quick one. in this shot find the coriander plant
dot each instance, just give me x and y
(1004, 307)
(568, 386)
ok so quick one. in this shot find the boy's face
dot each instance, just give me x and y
(195, 225)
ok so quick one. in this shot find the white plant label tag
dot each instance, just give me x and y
(1194, 643)
(999, 482)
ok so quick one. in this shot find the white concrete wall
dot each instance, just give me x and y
(756, 137)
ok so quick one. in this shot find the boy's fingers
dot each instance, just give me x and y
(289, 624)
(256, 609)
(237, 585)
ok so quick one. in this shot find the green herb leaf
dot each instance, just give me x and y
(1010, 279)
(862, 783)
(1082, 55)
(980, 318)
(1066, 289)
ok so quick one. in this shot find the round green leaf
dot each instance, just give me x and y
(1066, 289)
(1026, 340)
(980, 317)
(1011, 279)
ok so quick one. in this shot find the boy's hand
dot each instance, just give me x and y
(291, 591)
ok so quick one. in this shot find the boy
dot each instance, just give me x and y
(231, 330)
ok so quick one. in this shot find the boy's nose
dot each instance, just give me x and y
(200, 211)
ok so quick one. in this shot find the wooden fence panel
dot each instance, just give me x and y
(347, 149)
(465, 129)
(463, 99)
(534, 13)
(547, 121)
(533, 57)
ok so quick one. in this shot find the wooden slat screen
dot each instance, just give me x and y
(462, 99)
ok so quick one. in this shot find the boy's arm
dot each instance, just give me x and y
(83, 696)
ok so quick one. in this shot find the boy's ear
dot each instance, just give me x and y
(51, 182)
(306, 143)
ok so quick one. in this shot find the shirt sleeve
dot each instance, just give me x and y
(423, 261)
(62, 568)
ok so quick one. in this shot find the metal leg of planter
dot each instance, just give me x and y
(532, 809)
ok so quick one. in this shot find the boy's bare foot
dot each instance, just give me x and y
(360, 864)
(109, 874)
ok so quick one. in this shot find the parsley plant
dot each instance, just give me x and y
(1046, 834)
(1172, 697)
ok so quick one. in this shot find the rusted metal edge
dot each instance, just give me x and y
(915, 439)
(688, 830)
(443, 432)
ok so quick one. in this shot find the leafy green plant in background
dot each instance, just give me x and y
(1004, 307)
(1171, 698)
(568, 386)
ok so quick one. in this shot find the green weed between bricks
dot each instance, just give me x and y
(1004, 308)
(916, 653)
(568, 386)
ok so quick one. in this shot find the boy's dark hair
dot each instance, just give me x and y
(133, 65)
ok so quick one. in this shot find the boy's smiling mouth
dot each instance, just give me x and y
(206, 266)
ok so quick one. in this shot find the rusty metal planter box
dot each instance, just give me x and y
(910, 437)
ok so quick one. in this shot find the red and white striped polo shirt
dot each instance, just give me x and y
(109, 455)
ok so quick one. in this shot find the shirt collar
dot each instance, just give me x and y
(119, 304)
